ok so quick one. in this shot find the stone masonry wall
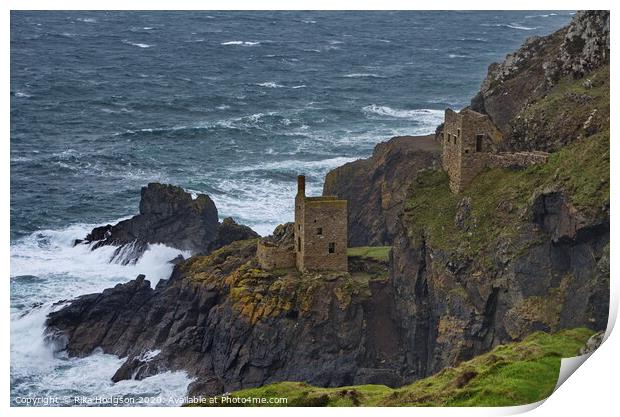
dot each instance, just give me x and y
(324, 223)
(516, 159)
(271, 256)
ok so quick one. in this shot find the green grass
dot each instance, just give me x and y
(378, 253)
(513, 374)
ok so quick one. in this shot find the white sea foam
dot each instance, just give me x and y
(22, 94)
(297, 165)
(457, 56)
(87, 19)
(270, 84)
(509, 25)
(541, 15)
(64, 270)
(363, 75)
(427, 116)
(35, 368)
(139, 45)
(244, 43)
(46, 268)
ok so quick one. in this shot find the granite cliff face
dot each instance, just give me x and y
(170, 216)
(376, 187)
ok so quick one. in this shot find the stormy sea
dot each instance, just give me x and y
(231, 104)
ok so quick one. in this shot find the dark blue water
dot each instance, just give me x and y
(234, 104)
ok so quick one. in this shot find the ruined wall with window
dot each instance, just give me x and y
(468, 137)
(320, 232)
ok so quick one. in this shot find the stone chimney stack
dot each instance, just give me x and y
(301, 185)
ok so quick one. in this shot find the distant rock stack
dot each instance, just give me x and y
(170, 216)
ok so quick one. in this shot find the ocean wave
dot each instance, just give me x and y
(509, 25)
(363, 75)
(21, 94)
(75, 270)
(270, 84)
(541, 15)
(45, 268)
(297, 165)
(415, 114)
(308, 21)
(87, 19)
(457, 56)
(244, 43)
(36, 367)
(273, 84)
(139, 45)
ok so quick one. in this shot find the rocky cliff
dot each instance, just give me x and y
(525, 95)
(376, 187)
(170, 216)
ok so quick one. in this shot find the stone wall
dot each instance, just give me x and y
(271, 256)
(516, 159)
(468, 137)
(472, 142)
(325, 225)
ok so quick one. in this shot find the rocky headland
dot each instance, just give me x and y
(516, 252)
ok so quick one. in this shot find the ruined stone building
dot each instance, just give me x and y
(319, 238)
(471, 142)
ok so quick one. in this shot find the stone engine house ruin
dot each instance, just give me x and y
(471, 142)
(319, 236)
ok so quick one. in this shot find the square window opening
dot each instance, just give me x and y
(332, 247)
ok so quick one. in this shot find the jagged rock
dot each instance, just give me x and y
(376, 187)
(530, 73)
(170, 216)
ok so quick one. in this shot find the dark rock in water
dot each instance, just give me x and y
(177, 260)
(170, 216)
(376, 187)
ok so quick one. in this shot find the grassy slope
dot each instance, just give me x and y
(378, 253)
(513, 374)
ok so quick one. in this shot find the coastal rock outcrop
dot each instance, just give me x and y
(376, 187)
(516, 92)
(170, 216)
(232, 325)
